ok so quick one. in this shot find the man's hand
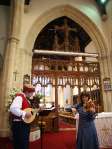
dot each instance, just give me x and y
(28, 115)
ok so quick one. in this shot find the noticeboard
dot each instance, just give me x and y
(107, 84)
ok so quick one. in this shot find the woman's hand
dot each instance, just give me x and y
(92, 109)
(90, 106)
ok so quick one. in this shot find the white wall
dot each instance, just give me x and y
(91, 48)
(38, 8)
(88, 7)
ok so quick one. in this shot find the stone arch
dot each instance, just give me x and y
(77, 16)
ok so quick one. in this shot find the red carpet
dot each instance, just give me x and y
(63, 124)
(50, 140)
(59, 140)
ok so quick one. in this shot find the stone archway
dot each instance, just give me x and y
(82, 20)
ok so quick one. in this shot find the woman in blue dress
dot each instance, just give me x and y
(86, 135)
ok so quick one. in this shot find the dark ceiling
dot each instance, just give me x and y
(45, 39)
(7, 2)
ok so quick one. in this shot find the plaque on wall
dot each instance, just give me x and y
(107, 84)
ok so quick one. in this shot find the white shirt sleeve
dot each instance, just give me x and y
(16, 106)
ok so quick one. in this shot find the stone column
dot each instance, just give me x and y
(8, 75)
(107, 95)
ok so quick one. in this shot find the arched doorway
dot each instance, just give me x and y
(85, 22)
(62, 69)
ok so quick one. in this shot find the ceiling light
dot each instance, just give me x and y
(103, 1)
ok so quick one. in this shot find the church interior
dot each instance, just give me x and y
(62, 48)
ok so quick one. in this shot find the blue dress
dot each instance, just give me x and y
(87, 135)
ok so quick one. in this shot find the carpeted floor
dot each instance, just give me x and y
(64, 126)
(63, 139)
(51, 140)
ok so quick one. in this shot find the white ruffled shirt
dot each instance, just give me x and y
(16, 106)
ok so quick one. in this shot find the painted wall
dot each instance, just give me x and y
(87, 7)
(40, 7)
(91, 48)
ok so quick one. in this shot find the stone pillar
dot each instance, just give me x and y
(107, 95)
(8, 74)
